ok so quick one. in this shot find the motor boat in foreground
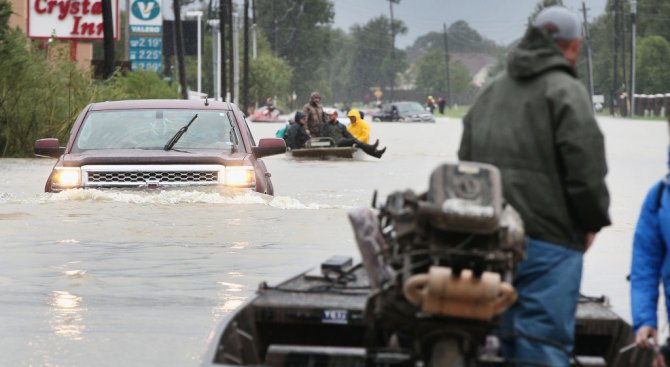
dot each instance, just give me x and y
(436, 274)
(318, 319)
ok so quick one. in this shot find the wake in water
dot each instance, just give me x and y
(171, 197)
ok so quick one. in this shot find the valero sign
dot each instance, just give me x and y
(145, 35)
(69, 19)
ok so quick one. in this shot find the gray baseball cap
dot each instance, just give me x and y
(568, 26)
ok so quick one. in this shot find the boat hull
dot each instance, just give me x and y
(309, 320)
(324, 153)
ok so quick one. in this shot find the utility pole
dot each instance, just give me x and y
(587, 37)
(392, 52)
(108, 38)
(633, 21)
(231, 37)
(446, 56)
(622, 38)
(222, 46)
(235, 96)
(615, 57)
(274, 29)
(216, 57)
(253, 26)
(245, 86)
(179, 40)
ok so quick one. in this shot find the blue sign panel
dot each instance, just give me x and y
(146, 52)
(145, 33)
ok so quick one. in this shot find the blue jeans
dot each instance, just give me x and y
(548, 285)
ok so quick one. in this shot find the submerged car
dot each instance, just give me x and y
(159, 144)
(403, 112)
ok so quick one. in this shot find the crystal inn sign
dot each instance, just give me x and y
(69, 19)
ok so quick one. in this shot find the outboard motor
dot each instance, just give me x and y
(441, 264)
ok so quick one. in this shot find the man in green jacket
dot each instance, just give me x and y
(535, 123)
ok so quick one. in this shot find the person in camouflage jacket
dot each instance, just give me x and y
(315, 115)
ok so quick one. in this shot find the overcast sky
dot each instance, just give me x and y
(502, 21)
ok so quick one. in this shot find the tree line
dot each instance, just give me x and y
(300, 51)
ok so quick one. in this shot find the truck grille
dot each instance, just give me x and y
(161, 176)
(151, 175)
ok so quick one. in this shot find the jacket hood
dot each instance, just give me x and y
(536, 54)
(354, 113)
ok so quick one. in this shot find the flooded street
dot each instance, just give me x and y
(125, 278)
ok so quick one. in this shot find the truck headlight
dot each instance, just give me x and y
(242, 176)
(66, 177)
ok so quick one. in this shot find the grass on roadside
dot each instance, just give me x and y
(645, 117)
(456, 112)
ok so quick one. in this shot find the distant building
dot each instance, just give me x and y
(478, 65)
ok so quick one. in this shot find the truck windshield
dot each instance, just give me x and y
(151, 128)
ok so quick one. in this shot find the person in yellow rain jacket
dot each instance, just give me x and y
(358, 127)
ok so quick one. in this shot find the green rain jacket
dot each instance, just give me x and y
(535, 123)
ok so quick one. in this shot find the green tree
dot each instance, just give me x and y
(653, 18)
(135, 85)
(371, 56)
(545, 4)
(462, 38)
(431, 75)
(337, 67)
(270, 76)
(653, 75)
(298, 31)
(650, 22)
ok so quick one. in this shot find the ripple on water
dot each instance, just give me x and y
(5, 197)
(285, 202)
(14, 216)
(75, 274)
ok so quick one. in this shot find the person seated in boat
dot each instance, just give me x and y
(296, 135)
(650, 265)
(358, 127)
(343, 138)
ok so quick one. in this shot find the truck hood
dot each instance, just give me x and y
(140, 156)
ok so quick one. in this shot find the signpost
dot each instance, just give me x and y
(69, 20)
(378, 94)
(145, 29)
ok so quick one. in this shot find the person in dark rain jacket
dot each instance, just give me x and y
(296, 136)
(536, 124)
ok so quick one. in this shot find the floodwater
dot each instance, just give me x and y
(118, 278)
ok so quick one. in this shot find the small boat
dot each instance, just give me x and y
(318, 319)
(323, 148)
(266, 114)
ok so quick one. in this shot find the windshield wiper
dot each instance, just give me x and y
(178, 135)
(232, 137)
